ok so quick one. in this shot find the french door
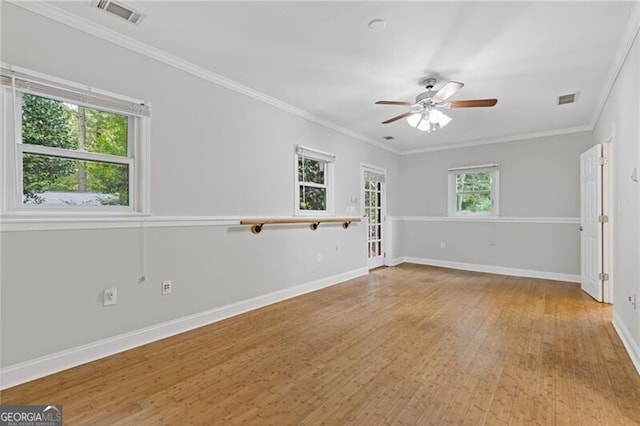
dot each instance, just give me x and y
(374, 211)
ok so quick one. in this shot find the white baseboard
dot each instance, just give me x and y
(394, 262)
(34, 369)
(491, 269)
(627, 340)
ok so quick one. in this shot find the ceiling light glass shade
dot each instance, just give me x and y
(413, 119)
(435, 115)
(444, 120)
(424, 124)
(438, 117)
(419, 121)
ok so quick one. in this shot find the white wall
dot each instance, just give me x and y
(214, 152)
(620, 119)
(539, 207)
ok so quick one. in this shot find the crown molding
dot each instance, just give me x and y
(630, 35)
(57, 14)
(514, 138)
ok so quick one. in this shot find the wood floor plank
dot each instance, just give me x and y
(409, 345)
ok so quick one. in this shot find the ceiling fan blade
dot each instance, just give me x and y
(447, 91)
(473, 103)
(398, 117)
(394, 103)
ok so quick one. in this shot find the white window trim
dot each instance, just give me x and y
(138, 112)
(317, 155)
(495, 190)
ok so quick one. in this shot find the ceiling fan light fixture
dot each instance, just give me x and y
(428, 121)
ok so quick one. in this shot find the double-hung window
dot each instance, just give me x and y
(71, 148)
(314, 182)
(473, 191)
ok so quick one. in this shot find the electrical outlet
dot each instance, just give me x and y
(443, 244)
(319, 257)
(166, 288)
(109, 296)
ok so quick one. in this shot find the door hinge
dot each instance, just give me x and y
(603, 276)
(602, 161)
(603, 218)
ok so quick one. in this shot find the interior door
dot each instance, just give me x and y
(375, 214)
(590, 223)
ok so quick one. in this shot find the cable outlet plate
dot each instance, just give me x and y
(109, 296)
(166, 288)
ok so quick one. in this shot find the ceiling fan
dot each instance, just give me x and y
(425, 112)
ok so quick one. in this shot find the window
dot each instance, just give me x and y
(71, 148)
(473, 191)
(314, 182)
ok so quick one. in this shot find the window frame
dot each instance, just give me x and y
(493, 170)
(329, 161)
(136, 160)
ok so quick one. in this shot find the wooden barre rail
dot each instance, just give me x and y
(257, 224)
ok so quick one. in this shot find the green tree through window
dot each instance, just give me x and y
(473, 191)
(58, 124)
(312, 178)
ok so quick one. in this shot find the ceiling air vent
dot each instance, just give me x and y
(119, 10)
(566, 99)
(388, 138)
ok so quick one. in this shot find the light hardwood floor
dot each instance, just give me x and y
(406, 345)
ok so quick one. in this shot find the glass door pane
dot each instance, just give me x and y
(373, 211)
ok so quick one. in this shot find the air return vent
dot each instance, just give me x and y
(566, 99)
(119, 10)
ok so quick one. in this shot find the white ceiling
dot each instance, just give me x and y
(322, 58)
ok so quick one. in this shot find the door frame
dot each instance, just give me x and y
(383, 208)
(608, 203)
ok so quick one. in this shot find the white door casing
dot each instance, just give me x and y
(591, 254)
